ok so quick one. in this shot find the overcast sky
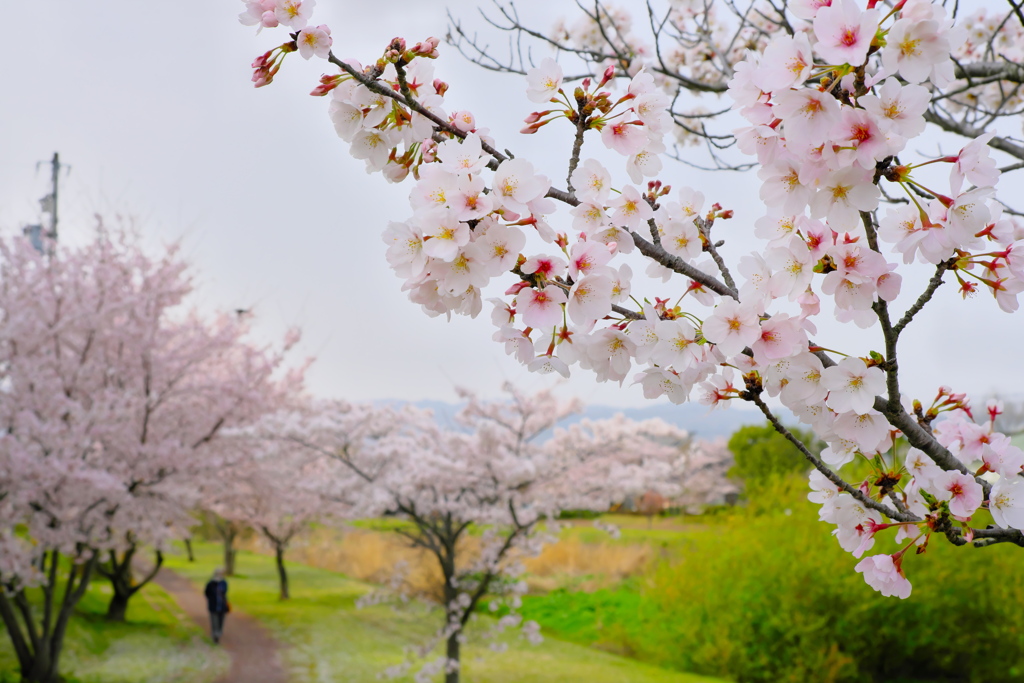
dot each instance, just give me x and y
(153, 109)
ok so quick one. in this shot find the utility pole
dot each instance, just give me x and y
(49, 202)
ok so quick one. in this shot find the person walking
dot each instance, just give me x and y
(217, 603)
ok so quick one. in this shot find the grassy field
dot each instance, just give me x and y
(330, 640)
(157, 645)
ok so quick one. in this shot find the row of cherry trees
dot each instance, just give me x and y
(116, 396)
(125, 412)
(829, 99)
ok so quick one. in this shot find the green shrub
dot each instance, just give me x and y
(772, 597)
(762, 454)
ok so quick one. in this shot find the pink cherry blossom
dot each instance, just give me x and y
(462, 157)
(547, 266)
(1007, 502)
(807, 115)
(852, 385)
(630, 209)
(974, 163)
(516, 184)
(541, 308)
(787, 63)
(781, 336)
(961, 490)
(315, 41)
(921, 467)
(844, 32)
(732, 327)
(625, 137)
(843, 195)
(544, 81)
(592, 182)
(913, 49)
(587, 257)
(443, 234)
(294, 13)
(883, 574)
(902, 106)
(590, 299)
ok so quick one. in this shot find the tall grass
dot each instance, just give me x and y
(583, 558)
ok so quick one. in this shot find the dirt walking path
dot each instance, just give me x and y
(254, 652)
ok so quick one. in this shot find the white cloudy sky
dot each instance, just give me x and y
(152, 107)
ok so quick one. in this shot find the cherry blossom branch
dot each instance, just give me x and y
(1017, 11)
(577, 146)
(1002, 144)
(987, 537)
(712, 248)
(892, 408)
(819, 465)
(371, 83)
(881, 308)
(1003, 71)
(678, 265)
(933, 284)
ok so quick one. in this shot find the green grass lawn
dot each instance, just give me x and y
(157, 645)
(329, 639)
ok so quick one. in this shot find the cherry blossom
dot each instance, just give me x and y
(1007, 503)
(544, 81)
(885, 575)
(961, 490)
(314, 41)
(844, 32)
(852, 385)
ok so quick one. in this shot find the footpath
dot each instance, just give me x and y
(255, 654)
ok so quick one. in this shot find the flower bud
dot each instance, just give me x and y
(269, 19)
(327, 84)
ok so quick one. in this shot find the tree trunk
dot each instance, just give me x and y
(228, 531)
(38, 643)
(117, 610)
(188, 549)
(229, 556)
(282, 574)
(453, 654)
(122, 580)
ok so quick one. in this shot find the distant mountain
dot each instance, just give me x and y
(694, 418)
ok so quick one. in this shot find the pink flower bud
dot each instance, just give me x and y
(440, 87)
(262, 61)
(327, 84)
(269, 19)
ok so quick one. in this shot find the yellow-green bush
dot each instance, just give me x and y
(772, 597)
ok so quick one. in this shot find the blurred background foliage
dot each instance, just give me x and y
(764, 593)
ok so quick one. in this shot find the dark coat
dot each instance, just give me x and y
(217, 596)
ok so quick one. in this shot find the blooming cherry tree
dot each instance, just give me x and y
(494, 473)
(111, 399)
(831, 97)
